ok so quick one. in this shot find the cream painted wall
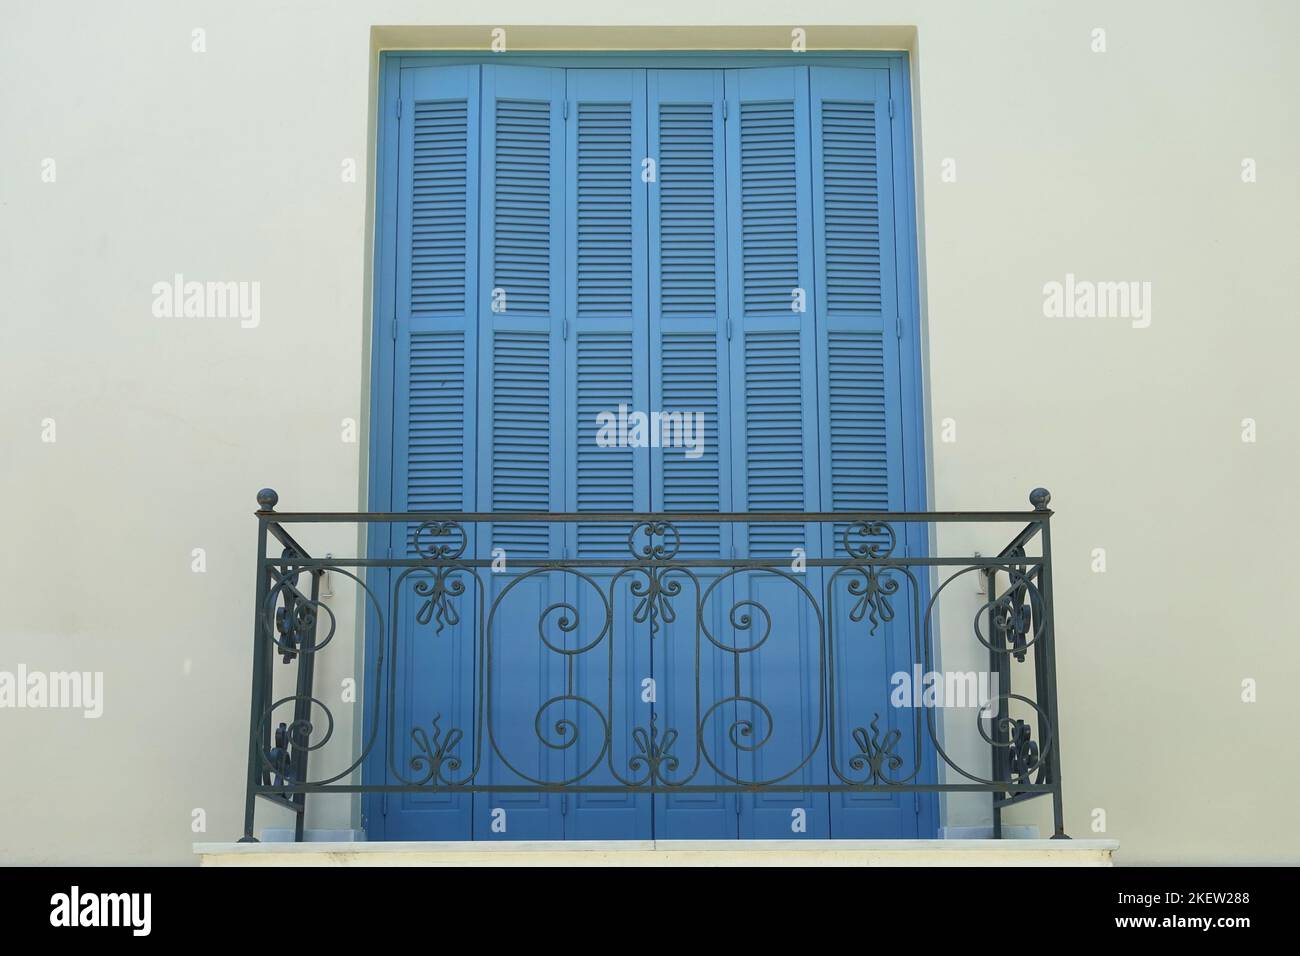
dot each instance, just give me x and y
(1123, 165)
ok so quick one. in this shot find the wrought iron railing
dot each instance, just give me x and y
(857, 577)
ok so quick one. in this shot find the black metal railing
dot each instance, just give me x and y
(855, 578)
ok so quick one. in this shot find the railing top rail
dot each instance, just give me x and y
(267, 499)
(304, 562)
(621, 517)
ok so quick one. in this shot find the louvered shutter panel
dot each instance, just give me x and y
(861, 410)
(434, 411)
(605, 360)
(857, 295)
(436, 305)
(689, 374)
(688, 297)
(522, 411)
(773, 346)
(521, 302)
(774, 433)
(606, 297)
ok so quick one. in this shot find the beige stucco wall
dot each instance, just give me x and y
(1123, 165)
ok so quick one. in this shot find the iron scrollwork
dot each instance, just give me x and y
(875, 752)
(873, 587)
(438, 593)
(446, 584)
(435, 750)
(1023, 750)
(655, 591)
(653, 752)
(430, 548)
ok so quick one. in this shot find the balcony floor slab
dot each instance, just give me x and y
(668, 853)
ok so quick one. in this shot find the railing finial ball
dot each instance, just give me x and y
(1040, 498)
(267, 499)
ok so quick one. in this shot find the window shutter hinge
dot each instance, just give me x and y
(566, 109)
(564, 329)
(399, 107)
(394, 326)
(724, 111)
(916, 797)
(891, 109)
(728, 330)
(898, 326)
(383, 805)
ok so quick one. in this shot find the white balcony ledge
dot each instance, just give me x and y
(669, 853)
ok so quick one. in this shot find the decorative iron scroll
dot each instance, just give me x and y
(875, 752)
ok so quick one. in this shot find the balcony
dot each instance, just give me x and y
(850, 615)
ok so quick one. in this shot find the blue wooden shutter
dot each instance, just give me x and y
(605, 359)
(857, 293)
(437, 273)
(434, 413)
(522, 258)
(605, 296)
(688, 305)
(521, 409)
(774, 431)
(861, 418)
(773, 346)
(689, 365)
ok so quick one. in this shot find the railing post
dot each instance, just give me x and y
(302, 706)
(999, 665)
(1040, 498)
(266, 502)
